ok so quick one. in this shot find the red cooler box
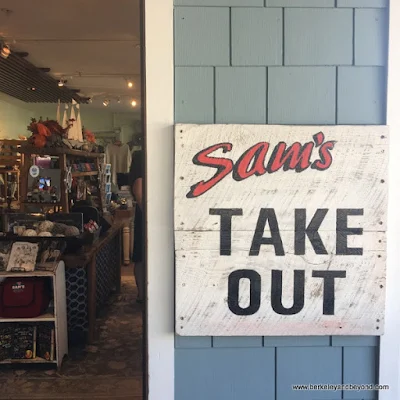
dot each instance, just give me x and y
(24, 297)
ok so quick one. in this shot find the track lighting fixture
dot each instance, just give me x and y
(90, 100)
(5, 51)
(106, 103)
(61, 82)
(119, 100)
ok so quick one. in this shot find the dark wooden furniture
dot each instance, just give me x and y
(66, 156)
(10, 163)
(86, 258)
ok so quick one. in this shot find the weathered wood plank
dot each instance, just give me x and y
(241, 241)
(280, 230)
(356, 178)
(202, 295)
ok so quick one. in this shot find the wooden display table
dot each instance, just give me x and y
(89, 259)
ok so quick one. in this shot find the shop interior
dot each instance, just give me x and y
(71, 136)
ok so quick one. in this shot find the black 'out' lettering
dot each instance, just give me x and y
(298, 293)
(255, 291)
(329, 288)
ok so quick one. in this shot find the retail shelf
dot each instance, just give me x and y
(37, 360)
(11, 274)
(48, 317)
(86, 173)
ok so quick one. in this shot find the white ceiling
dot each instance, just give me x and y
(93, 44)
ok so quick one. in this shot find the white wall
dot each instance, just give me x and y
(159, 196)
(15, 116)
(389, 368)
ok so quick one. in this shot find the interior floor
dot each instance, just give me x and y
(109, 369)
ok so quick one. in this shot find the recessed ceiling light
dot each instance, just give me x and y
(130, 84)
(133, 103)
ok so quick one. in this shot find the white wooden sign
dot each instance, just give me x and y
(280, 230)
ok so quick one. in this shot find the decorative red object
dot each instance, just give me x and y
(23, 297)
(89, 136)
(43, 130)
(50, 130)
(38, 140)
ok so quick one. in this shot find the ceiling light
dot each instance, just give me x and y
(31, 88)
(5, 51)
(106, 103)
(90, 100)
(118, 100)
(133, 103)
(130, 84)
(60, 83)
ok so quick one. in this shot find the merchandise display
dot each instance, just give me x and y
(33, 315)
(69, 176)
(10, 163)
(120, 158)
(61, 247)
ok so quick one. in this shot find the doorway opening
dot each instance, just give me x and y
(80, 64)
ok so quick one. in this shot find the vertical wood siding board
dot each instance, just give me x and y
(256, 36)
(301, 95)
(307, 365)
(361, 95)
(283, 36)
(237, 341)
(266, 97)
(300, 3)
(296, 341)
(359, 368)
(371, 37)
(362, 3)
(194, 95)
(354, 38)
(353, 341)
(240, 95)
(218, 374)
(318, 36)
(336, 94)
(192, 342)
(215, 94)
(220, 3)
(201, 36)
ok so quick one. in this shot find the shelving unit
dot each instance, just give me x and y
(10, 161)
(58, 315)
(66, 157)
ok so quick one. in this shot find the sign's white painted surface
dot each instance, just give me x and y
(280, 230)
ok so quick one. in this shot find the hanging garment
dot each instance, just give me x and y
(79, 124)
(59, 112)
(72, 133)
(119, 156)
(65, 117)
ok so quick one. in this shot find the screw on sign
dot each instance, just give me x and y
(279, 230)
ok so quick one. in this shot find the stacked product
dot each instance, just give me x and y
(107, 183)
